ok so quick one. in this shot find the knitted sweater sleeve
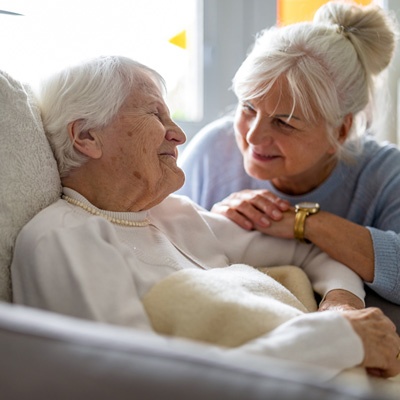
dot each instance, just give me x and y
(387, 264)
(376, 205)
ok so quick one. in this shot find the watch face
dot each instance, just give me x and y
(308, 204)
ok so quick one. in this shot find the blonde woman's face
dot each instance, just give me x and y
(279, 144)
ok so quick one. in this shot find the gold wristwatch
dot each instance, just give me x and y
(303, 210)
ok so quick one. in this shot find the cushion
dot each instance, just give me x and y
(29, 179)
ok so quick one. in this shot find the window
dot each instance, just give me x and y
(185, 40)
(197, 45)
(165, 35)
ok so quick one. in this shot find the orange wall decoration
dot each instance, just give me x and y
(291, 11)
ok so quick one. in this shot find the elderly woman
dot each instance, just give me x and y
(303, 165)
(118, 231)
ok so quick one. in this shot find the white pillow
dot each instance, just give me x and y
(29, 179)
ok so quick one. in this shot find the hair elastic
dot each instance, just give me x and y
(342, 30)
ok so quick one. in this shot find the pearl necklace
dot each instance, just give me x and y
(94, 211)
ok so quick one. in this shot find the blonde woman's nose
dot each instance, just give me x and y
(259, 132)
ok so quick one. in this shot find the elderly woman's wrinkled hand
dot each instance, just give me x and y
(340, 300)
(380, 340)
(252, 208)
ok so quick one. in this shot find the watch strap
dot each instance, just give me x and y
(299, 224)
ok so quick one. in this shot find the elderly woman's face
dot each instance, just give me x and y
(140, 149)
(295, 154)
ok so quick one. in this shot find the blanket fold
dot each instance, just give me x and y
(228, 306)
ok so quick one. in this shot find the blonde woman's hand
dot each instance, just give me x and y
(252, 209)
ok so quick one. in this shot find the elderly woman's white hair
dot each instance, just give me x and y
(92, 92)
(330, 64)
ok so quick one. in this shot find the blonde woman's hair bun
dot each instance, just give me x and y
(372, 31)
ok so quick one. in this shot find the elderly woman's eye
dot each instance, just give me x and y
(157, 114)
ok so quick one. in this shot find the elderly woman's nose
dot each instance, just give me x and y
(175, 133)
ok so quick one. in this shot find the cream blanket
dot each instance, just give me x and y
(228, 306)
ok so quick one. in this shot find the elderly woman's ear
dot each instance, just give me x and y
(86, 141)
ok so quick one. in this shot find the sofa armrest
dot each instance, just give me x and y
(48, 356)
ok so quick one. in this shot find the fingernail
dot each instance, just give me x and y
(284, 206)
(265, 221)
(248, 225)
(276, 214)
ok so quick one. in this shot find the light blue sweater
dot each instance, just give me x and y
(366, 192)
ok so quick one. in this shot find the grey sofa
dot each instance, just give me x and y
(48, 356)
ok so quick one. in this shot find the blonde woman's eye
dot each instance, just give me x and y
(248, 107)
(283, 124)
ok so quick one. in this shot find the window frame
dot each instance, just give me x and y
(229, 29)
